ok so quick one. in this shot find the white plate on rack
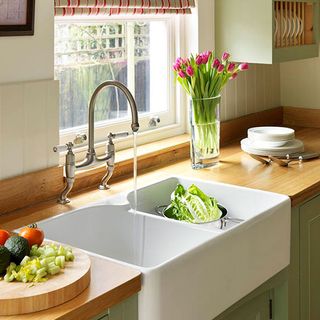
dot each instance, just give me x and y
(290, 147)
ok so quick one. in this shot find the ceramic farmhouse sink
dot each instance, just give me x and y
(189, 271)
(115, 232)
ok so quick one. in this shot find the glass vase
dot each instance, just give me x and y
(205, 131)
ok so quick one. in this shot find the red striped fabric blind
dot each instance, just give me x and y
(116, 7)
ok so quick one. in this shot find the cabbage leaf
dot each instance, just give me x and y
(192, 205)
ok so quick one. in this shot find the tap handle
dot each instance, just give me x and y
(60, 148)
(69, 170)
(63, 147)
(153, 121)
(70, 162)
(80, 138)
(118, 135)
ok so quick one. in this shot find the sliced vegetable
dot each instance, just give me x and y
(60, 261)
(192, 205)
(33, 234)
(4, 236)
(43, 261)
(25, 260)
(53, 268)
(69, 256)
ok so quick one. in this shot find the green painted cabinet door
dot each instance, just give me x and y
(256, 309)
(310, 260)
(125, 310)
(247, 31)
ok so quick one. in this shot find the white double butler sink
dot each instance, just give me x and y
(189, 272)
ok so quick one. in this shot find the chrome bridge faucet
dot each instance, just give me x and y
(70, 165)
(91, 154)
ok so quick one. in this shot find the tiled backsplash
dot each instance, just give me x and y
(29, 120)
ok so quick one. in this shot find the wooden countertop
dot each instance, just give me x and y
(112, 282)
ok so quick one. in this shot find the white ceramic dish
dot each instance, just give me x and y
(269, 144)
(290, 147)
(271, 134)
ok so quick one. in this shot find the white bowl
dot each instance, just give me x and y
(273, 136)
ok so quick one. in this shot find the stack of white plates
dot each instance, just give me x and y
(271, 141)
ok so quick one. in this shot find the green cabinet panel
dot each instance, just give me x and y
(126, 310)
(267, 302)
(294, 268)
(256, 309)
(246, 29)
(310, 260)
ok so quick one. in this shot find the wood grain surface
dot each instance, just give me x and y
(17, 298)
(110, 284)
(301, 117)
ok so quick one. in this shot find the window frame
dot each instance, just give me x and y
(176, 98)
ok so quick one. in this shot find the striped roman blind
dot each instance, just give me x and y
(116, 7)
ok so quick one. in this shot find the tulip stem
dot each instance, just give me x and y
(205, 126)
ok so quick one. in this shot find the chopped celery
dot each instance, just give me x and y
(62, 251)
(69, 256)
(45, 260)
(9, 277)
(25, 260)
(49, 252)
(34, 252)
(53, 269)
(42, 272)
(60, 261)
(11, 267)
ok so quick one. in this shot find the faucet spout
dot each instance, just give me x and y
(91, 154)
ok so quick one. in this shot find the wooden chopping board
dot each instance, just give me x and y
(18, 298)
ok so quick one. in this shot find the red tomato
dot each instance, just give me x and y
(33, 234)
(4, 235)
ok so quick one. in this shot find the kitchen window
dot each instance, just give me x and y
(137, 52)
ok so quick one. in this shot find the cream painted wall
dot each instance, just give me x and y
(29, 98)
(300, 83)
(28, 126)
(254, 90)
(30, 57)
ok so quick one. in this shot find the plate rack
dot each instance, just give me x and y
(293, 23)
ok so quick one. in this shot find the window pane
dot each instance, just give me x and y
(134, 53)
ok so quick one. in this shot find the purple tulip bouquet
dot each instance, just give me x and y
(203, 76)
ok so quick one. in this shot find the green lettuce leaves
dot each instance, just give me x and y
(192, 205)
